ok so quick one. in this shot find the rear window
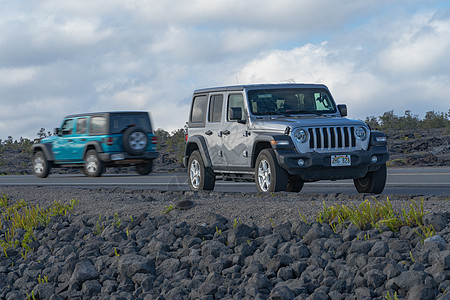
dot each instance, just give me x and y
(198, 109)
(119, 123)
(97, 125)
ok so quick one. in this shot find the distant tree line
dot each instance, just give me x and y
(409, 121)
(174, 141)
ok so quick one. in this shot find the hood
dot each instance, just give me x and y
(280, 123)
(49, 139)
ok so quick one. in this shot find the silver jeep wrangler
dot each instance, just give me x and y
(280, 136)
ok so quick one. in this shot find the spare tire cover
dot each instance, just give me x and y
(135, 141)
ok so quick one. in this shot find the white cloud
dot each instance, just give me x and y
(64, 57)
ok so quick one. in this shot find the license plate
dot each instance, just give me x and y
(341, 160)
(117, 156)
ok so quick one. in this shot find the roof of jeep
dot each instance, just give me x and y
(259, 86)
(106, 112)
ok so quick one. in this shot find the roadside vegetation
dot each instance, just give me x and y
(19, 220)
(409, 121)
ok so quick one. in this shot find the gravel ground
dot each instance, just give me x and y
(249, 207)
(226, 246)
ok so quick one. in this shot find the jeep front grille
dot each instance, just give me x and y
(332, 138)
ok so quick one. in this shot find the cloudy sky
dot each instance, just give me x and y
(59, 57)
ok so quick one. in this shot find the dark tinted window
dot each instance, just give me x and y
(215, 108)
(198, 109)
(120, 122)
(81, 126)
(98, 125)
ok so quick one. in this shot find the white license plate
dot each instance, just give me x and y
(341, 160)
(117, 156)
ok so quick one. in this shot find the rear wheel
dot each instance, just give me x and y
(295, 184)
(144, 168)
(373, 182)
(93, 166)
(41, 167)
(200, 177)
(269, 175)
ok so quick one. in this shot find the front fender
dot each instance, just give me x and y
(45, 148)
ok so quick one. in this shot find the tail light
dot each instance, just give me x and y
(154, 140)
(109, 141)
(186, 137)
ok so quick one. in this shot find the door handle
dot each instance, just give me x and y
(83, 140)
(226, 132)
(209, 132)
(70, 141)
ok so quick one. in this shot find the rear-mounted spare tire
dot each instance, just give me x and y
(135, 141)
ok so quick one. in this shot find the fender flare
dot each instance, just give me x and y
(201, 145)
(45, 148)
(95, 144)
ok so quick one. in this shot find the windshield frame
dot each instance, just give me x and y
(304, 100)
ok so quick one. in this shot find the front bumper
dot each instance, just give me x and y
(317, 166)
(116, 158)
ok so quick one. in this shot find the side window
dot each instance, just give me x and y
(81, 126)
(215, 108)
(98, 125)
(198, 109)
(67, 127)
(235, 106)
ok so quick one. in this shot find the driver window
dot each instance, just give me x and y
(67, 127)
(235, 101)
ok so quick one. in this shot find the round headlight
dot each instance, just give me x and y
(301, 135)
(360, 133)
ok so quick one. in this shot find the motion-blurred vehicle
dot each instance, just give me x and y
(94, 141)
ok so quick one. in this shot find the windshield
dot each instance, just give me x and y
(290, 101)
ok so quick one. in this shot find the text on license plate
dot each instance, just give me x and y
(341, 160)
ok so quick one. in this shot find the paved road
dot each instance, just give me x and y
(414, 181)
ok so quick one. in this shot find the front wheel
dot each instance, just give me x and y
(200, 177)
(373, 182)
(93, 166)
(144, 168)
(41, 166)
(269, 175)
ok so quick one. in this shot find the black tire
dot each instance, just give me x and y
(269, 175)
(41, 166)
(135, 141)
(200, 177)
(93, 166)
(144, 168)
(295, 184)
(373, 182)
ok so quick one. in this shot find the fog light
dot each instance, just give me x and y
(374, 159)
(301, 162)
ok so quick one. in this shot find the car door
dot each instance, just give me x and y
(213, 129)
(79, 138)
(235, 134)
(63, 146)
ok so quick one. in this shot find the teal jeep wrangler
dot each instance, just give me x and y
(95, 141)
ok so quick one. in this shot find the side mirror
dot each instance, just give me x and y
(342, 109)
(57, 131)
(235, 114)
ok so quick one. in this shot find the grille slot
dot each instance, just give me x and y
(332, 138)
